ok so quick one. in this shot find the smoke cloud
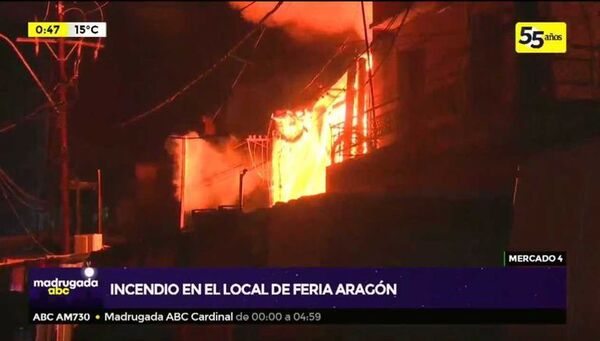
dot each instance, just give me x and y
(212, 168)
(308, 20)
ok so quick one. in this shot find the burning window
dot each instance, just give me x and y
(306, 142)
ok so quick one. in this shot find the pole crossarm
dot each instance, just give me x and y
(55, 41)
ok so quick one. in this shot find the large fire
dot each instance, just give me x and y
(308, 20)
(206, 171)
(306, 142)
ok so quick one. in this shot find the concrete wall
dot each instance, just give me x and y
(389, 170)
(449, 84)
(558, 208)
(385, 230)
(450, 75)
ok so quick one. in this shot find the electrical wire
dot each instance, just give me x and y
(75, 46)
(338, 51)
(206, 72)
(248, 5)
(391, 47)
(74, 8)
(210, 179)
(22, 224)
(31, 72)
(98, 8)
(252, 152)
(213, 179)
(179, 137)
(47, 10)
(20, 199)
(224, 176)
(221, 176)
(32, 115)
(21, 195)
(371, 45)
(241, 72)
(4, 177)
(15, 194)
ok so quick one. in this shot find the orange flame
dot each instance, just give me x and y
(306, 19)
(306, 142)
(206, 173)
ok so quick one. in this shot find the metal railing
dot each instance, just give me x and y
(382, 127)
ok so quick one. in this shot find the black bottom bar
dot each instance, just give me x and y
(303, 316)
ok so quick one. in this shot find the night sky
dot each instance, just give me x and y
(152, 49)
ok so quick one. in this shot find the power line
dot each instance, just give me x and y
(21, 195)
(210, 180)
(47, 10)
(371, 45)
(204, 73)
(38, 82)
(20, 199)
(389, 50)
(32, 115)
(338, 51)
(248, 5)
(22, 224)
(98, 7)
(213, 179)
(239, 75)
(4, 176)
(179, 137)
(374, 41)
(241, 72)
(222, 176)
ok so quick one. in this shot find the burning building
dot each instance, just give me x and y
(297, 150)
(450, 111)
(292, 157)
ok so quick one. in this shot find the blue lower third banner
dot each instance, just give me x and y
(298, 295)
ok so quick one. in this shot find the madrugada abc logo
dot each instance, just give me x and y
(63, 287)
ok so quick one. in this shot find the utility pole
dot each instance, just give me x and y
(62, 106)
(64, 145)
